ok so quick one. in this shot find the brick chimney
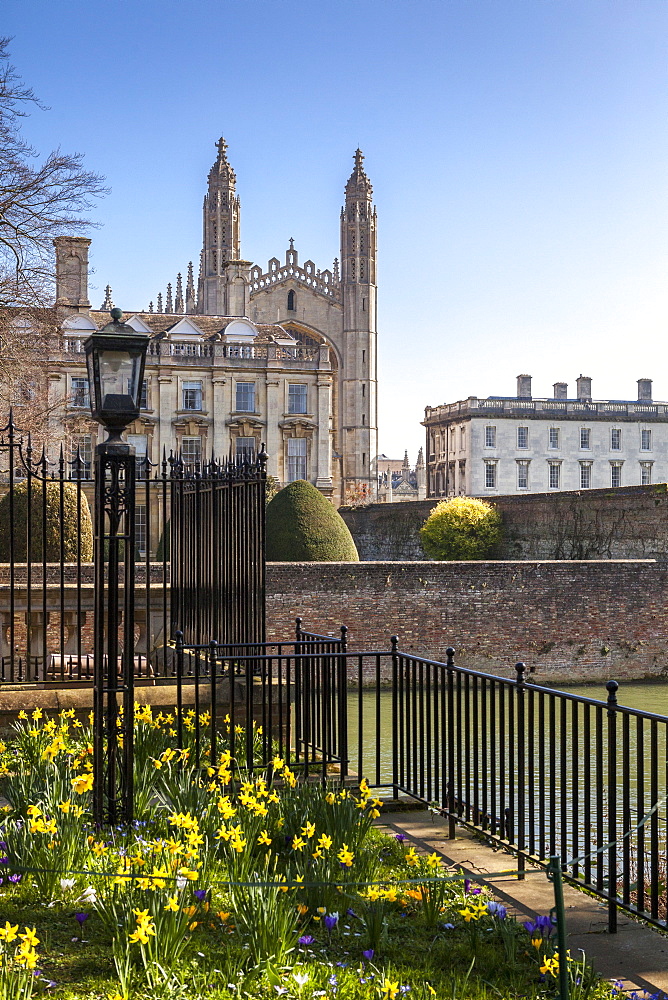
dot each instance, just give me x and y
(72, 272)
(560, 390)
(524, 386)
(584, 388)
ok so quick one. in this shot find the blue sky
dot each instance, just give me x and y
(518, 151)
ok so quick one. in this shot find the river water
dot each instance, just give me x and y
(647, 696)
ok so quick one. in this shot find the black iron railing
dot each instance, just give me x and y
(206, 520)
(539, 771)
(286, 700)
(217, 551)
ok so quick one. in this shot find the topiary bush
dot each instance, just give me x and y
(75, 532)
(303, 526)
(461, 528)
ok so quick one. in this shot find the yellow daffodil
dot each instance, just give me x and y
(9, 932)
(390, 989)
(345, 856)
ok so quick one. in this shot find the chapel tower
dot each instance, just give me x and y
(223, 278)
(359, 295)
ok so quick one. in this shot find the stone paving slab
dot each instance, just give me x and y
(637, 955)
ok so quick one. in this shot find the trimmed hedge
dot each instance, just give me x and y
(303, 526)
(461, 528)
(73, 531)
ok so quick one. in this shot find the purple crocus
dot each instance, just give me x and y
(368, 954)
(467, 887)
(200, 894)
(15, 878)
(497, 910)
(400, 837)
(81, 918)
(306, 939)
(330, 921)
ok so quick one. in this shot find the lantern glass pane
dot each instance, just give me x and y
(119, 380)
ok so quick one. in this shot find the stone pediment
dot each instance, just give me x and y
(78, 322)
(138, 324)
(185, 328)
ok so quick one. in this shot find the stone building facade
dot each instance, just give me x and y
(284, 355)
(521, 444)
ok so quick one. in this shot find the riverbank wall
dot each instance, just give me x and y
(628, 522)
(570, 621)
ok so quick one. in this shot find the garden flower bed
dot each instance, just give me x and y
(230, 885)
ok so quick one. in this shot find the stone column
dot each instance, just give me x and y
(273, 438)
(323, 449)
(221, 434)
(166, 409)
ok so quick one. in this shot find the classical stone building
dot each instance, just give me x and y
(284, 355)
(520, 444)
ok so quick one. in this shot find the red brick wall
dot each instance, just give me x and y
(626, 523)
(572, 620)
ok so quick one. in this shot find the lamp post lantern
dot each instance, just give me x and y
(115, 356)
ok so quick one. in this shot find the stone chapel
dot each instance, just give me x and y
(284, 355)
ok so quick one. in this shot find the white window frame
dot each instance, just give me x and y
(80, 397)
(245, 447)
(491, 474)
(554, 475)
(490, 436)
(585, 475)
(616, 473)
(615, 435)
(140, 444)
(522, 437)
(646, 473)
(296, 458)
(195, 402)
(553, 438)
(522, 480)
(645, 439)
(297, 401)
(585, 439)
(84, 444)
(252, 391)
(191, 453)
(141, 532)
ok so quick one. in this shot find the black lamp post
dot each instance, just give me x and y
(115, 356)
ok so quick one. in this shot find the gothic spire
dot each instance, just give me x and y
(191, 304)
(108, 301)
(221, 167)
(169, 307)
(159, 302)
(178, 299)
(358, 182)
(221, 241)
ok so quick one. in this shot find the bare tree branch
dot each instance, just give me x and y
(38, 202)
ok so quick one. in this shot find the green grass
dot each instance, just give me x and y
(207, 938)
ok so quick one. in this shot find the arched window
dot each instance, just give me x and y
(291, 302)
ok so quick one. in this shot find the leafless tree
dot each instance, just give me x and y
(39, 200)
